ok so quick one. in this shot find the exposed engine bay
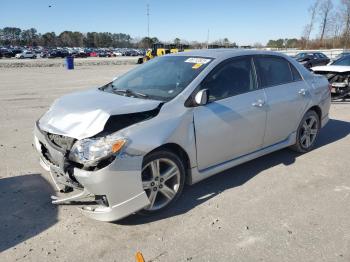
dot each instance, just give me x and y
(115, 123)
(340, 82)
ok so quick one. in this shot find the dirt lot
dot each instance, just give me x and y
(280, 207)
(60, 62)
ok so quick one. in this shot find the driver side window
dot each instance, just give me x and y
(231, 78)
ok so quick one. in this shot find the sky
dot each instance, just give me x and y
(242, 21)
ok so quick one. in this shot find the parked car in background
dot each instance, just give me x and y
(117, 53)
(310, 59)
(79, 54)
(57, 54)
(93, 54)
(340, 56)
(133, 142)
(5, 53)
(26, 54)
(15, 51)
(103, 54)
(338, 74)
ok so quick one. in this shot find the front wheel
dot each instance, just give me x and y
(163, 178)
(307, 132)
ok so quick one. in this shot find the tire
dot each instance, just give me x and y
(163, 191)
(307, 132)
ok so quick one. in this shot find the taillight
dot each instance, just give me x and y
(330, 87)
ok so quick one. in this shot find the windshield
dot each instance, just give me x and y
(161, 78)
(344, 61)
(301, 55)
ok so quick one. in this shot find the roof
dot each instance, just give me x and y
(225, 52)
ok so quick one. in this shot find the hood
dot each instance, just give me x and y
(331, 68)
(84, 114)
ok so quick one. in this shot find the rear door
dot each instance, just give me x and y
(287, 96)
(232, 124)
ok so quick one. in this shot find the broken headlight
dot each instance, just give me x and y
(90, 151)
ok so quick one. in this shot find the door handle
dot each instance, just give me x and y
(302, 92)
(258, 103)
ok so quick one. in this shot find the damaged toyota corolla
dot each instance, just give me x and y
(131, 145)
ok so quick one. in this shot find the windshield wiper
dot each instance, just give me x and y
(129, 92)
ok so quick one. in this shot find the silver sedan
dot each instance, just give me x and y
(132, 144)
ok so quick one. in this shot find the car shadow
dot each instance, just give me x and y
(25, 208)
(197, 194)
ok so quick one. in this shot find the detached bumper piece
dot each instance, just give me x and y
(82, 195)
(107, 194)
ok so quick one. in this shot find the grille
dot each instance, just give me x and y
(63, 142)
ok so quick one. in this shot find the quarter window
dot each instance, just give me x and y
(295, 73)
(273, 71)
(231, 78)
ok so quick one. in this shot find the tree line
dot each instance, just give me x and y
(328, 27)
(14, 36)
(30, 37)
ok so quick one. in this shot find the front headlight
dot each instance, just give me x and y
(90, 151)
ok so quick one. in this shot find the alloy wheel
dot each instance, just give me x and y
(309, 132)
(161, 182)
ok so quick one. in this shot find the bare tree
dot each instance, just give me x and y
(258, 45)
(335, 28)
(309, 27)
(324, 14)
(346, 17)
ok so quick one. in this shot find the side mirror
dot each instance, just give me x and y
(202, 97)
(114, 78)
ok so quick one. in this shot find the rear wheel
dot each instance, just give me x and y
(307, 133)
(163, 177)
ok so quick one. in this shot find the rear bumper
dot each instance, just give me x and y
(120, 183)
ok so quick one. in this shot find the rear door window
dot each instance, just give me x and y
(320, 55)
(273, 70)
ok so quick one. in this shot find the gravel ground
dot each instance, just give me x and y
(59, 62)
(280, 207)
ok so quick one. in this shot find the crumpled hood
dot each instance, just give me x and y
(331, 68)
(84, 114)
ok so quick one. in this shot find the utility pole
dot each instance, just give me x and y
(148, 20)
(208, 39)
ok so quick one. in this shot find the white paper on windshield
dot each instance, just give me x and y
(197, 60)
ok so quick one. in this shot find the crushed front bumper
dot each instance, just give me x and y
(119, 183)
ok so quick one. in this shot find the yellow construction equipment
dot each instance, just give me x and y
(160, 49)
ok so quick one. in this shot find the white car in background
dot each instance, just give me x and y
(26, 54)
(117, 53)
(338, 75)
